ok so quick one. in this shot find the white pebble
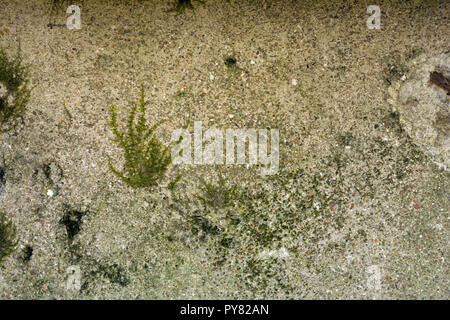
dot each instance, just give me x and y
(294, 82)
(280, 253)
(10, 100)
(3, 90)
(50, 192)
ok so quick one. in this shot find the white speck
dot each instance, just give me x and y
(403, 78)
(280, 253)
(283, 253)
(211, 76)
(3, 90)
(348, 147)
(50, 192)
(252, 62)
(10, 100)
(231, 116)
(350, 259)
(374, 277)
(294, 82)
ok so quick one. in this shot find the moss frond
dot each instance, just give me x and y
(8, 241)
(181, 5)
(218, 195)
(14, 90)
(146, 158)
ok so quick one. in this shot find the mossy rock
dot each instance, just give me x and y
(423, 107)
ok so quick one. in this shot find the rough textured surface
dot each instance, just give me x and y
(358, 209)
(424, 107)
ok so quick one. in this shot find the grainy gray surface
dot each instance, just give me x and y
(357, 210)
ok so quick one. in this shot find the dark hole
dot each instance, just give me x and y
(230, 61)
(27, 253)
(2, 104)
(2, 177)
(47, 171)
(72, 221)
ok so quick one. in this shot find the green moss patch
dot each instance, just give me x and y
(8, 241)
(14, 90)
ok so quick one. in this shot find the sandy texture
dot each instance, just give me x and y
(357, 209)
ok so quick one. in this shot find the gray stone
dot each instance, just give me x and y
(424, 108)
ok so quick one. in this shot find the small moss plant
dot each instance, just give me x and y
(68, 121)
(146, 158)
(217, 195)
(182, 5)
(8, 241)
(14, 90)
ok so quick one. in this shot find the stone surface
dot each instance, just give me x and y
(424, 107)
(358, 203)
